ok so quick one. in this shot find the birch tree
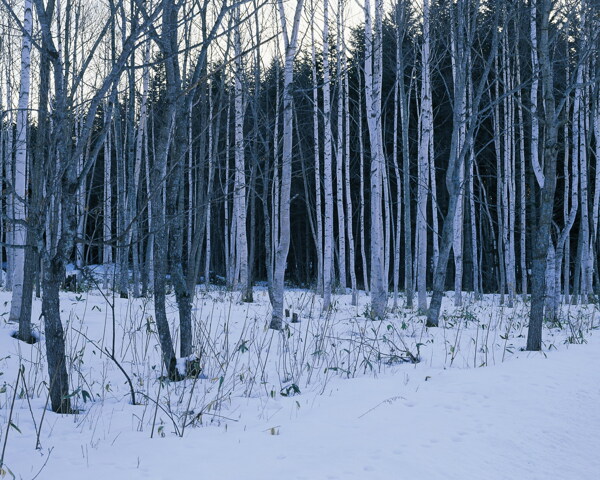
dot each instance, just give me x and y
(240, 171)
(290, 38)
(339, 156)
(19, 186)
(327, 165)
(425, 129)
(404, 95)
(541, 240)
(317, 157)
(466, 25)
(349, 208)
(373, 78)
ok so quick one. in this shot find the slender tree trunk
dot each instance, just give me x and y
(211, 173)
(19, 185)
(498, 137)
(8, 173)
(327, 165)
(107, 206)
(283, 241)
(339, 159)
(457, 240)
(534, 94)
(404, 116)
(396, 273)
(466, 22)
(55, 338)
(550, 149)
(349, 209)
(361, 154)
(426, 127)
(317, 160)
(240, 172)
(522, 176)
(373, 80)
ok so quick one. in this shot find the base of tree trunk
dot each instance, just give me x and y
(247, 296)
(29, 339)
(276, 324)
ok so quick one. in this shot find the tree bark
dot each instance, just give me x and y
(283, 242)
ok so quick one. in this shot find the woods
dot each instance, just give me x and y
(401, 148)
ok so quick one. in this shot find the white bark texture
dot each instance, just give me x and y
(240, 169)
(373, 79)
(426, 126)
(283, 240)
(19, 185)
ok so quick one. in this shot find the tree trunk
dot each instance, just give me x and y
(19, 185)
(283, 242)
(426, 127)
(327, 165)
(240, 172)
(373, 80)
(317, 161)
(550, 150)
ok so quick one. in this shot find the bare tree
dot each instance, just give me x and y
(327, 165)
(373, 78)
(465, 20)
(290, 38)
(541, 240)
(19, 186)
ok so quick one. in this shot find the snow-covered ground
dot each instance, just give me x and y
(331, 397)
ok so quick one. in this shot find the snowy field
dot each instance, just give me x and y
(337, 396)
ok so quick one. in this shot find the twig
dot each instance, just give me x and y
(156, 404)
(116, 362)
(12, 405)
(44, 465)
(38, 445)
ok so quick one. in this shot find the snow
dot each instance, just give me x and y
(362, 411)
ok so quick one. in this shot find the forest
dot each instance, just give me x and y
(398, 159)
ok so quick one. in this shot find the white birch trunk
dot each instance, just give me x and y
(283, 241)
(387, 223)
(457, 237)
(373, 79)
(522, 192)
(339, 160)
(327, 165)
(275, 187)
(107, 257)
(395, 154)
(508, 199)
(498, 138)
(565, 258)
(317, 161)
(19, 185)
(349, 209)
(435, 224)
(586, 261)
(426, 127)
(8, 172)
(535, 122)
(227, 227)
(551, 273)
(150, 244)
(81, 208)
(361, 154)
(211, 154)
(137, 173)
(240, 172)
